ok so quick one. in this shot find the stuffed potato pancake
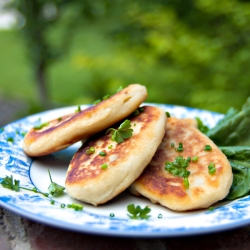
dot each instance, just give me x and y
(61, 133)
(187, 172)
(102, 168)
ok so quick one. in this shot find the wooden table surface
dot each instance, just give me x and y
(18, 233)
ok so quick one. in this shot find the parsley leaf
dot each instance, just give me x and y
(9, 183)
(40, 126)
(54, 188)
(137, 212)
(123, 132)
(179, 168)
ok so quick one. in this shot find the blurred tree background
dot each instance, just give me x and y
(61, 52)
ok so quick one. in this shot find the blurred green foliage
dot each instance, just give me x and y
(194, 53)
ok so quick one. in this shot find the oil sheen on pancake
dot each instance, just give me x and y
(61, 133)
(160, 186)
(87, 181)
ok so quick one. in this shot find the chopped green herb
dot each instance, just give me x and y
(69, 206)
(104, 166)
(23, 133)
(172, 145)
(138, 111)
(78, 109)
(97, 101)
(10, 139)
(110, 146)
(207, 148)
(186, 182)
(141, 109)
(77, 207)
(112, 215)
(180, 147)
(168, 114)
(90, 150)
(123, 132)
(102, 153)
(159, 216)
(40, 126)
(52, 202)
(136, 212)
(62, 205)
(106, 97)
(195, 159)
(211, 208)
(54, 188)
(211, 168)
(119, 89)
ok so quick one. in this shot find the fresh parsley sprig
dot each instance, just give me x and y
(9, 183)
(123, 132)
(179, 168)
(136, 212)
(54, 188)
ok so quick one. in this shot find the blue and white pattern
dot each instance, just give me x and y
(33, 173)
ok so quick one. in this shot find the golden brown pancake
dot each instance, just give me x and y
(160, 186)
(61, 133)
(86, 179)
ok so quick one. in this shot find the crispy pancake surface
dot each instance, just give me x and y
(87, 181)
(61, 133)
(160, 186)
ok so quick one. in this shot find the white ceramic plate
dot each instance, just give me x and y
(34, 173)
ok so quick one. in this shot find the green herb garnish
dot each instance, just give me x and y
(77, 207)
(54, 188)
(40, 126)
(123, 132)
(179, 168)
(104, 166)
(10, 139)
(78, 109)
(112, 215)
(168, 114)
(97, 101)
(14, 185)
(211, 168)
(9, 183)
(180, 147)
(138, 111)
(195, 159)
(102, 153)
(136, 212)
(119, 89)
(207, 148)
(106, 97)
(90, 150)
